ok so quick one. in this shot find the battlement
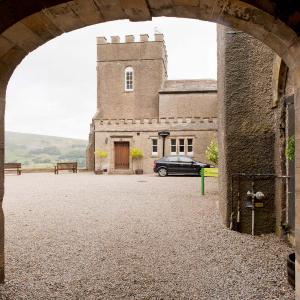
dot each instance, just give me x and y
(144, 38)
(189, 123)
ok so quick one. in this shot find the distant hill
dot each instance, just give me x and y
(39, 151)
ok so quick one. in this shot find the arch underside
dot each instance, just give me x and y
(47, 21)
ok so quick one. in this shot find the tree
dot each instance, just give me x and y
(212, 152)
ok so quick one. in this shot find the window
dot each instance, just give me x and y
(154, 147)
(181, 146)
(129, 79)
(185, 159)
(172, 158)
(173, 146)
(190, 147)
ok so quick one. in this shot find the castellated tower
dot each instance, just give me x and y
(136, 104)
(130, 75)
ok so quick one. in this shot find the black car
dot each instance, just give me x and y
(178, 164)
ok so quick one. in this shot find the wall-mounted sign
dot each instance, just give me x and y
(211, 172)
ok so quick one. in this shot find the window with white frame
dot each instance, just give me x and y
(173, 146)
(129, 79)
(190, 147)
(181, 146)
(154, 146)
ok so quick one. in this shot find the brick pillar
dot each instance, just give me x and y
(246, 127)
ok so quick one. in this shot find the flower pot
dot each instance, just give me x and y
(139, 171)
(98, 172)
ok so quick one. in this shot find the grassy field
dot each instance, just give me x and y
(41, 151)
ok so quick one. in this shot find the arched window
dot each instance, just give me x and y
(129, 78)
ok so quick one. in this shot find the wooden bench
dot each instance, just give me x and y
(13, 167)
(68, 166)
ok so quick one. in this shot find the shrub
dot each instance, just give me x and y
(136, 153)
(290, 148)
(101, 153)
(212, 152)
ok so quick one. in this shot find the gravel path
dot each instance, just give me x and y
(81, 236)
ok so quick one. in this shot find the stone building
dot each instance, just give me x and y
(137, 105)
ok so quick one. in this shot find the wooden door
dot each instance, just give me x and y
(121, 155)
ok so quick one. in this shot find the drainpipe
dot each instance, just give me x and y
(252, 195)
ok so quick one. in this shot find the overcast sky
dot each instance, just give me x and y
(53, 91)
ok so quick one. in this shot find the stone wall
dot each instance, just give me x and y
(247, 122)
(139, 133)
(148, 60)
(188, 104)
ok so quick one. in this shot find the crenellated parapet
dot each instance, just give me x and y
(187, 123)
(102, 40)
(140, 52)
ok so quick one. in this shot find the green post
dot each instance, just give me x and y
(202, 181)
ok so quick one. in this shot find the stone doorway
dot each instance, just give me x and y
(121, 155)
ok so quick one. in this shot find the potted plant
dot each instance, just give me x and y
(102, 156)
(137, 155)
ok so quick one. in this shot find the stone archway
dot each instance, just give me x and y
(27, 25)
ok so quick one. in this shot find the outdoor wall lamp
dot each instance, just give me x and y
(164, 134)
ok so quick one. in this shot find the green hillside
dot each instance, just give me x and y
(40, 151)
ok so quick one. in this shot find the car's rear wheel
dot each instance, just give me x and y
(162, 172)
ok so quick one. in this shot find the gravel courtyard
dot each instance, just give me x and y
(82, 236)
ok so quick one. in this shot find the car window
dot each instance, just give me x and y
(185, 159)
(172, 158)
